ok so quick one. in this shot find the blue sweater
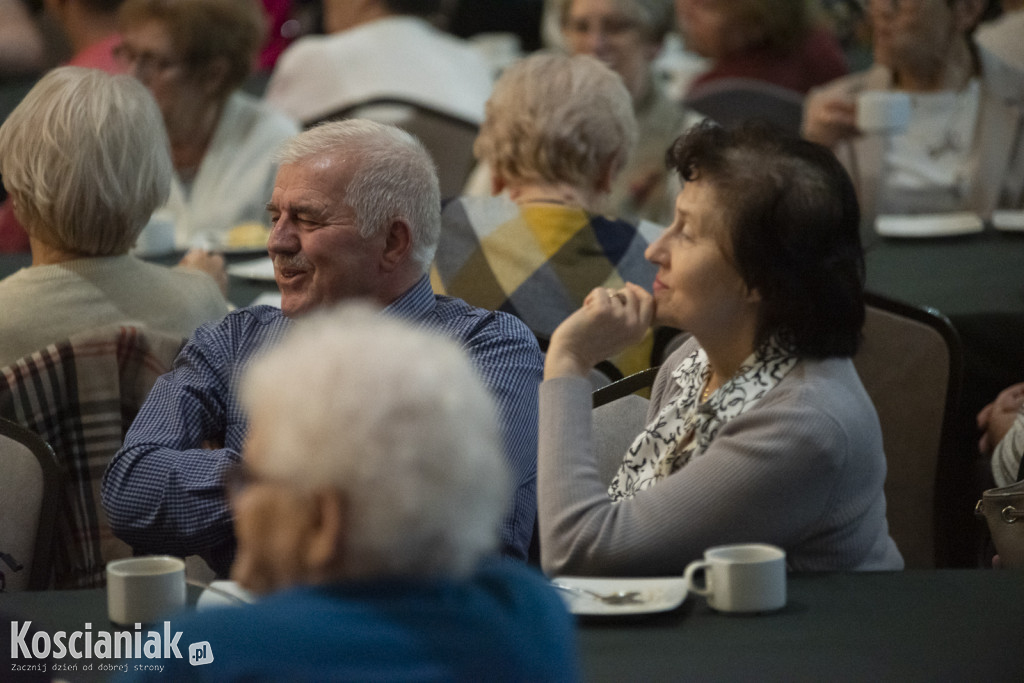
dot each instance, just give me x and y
(502, 624)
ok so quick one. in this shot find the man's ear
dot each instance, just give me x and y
(397, 246)
(326, 534)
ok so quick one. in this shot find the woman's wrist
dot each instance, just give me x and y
(560, 362)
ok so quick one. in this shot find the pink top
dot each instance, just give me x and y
(818, 60)
(100, 56)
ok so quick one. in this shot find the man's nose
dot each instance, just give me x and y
(283, 238)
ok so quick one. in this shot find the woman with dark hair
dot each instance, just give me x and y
(758, 429)
(194, 56)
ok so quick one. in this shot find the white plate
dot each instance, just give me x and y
(237, 251)
(656, 594)
(257, 269)
(215, 598)
(929, 225)
(1008, 220)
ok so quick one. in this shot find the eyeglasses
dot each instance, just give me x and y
(144, 62)
(611, 27)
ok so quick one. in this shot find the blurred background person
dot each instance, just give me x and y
(194, 55)
(85, 161)
(627, 36)
(965, 134)
(1002, 36)
(91, 30)
(1002, 434)
(777, 41)
(758, 428)
(374, 49)
(90, 27)
(375, 568)
(22, 46)
(558, 131)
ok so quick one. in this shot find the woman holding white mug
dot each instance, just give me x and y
(758, 428)
(963, 140)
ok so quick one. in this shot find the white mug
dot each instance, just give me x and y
(157, 237)
(745, 577)
(882, 111)
(144, 589)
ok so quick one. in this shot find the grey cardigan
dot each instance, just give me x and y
(803, 469)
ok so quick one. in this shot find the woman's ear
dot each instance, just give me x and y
(326, 535)
(497, 182)
(609, 170)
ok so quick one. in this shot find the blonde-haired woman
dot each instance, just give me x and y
(84, 160)
(557, 131)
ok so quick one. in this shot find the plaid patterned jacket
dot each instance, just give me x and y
(80, 395)
(538, 262)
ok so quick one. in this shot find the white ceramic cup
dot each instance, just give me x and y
(157, 237)
(745, 577)
(141, 590)
(881, 111)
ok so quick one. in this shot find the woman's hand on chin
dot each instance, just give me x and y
(609, 321)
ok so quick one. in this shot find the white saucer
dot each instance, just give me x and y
(257, 269)
(929, 225)
(655, 594)
(1008, 220)
(215, 598)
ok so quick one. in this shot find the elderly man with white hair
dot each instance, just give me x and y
(356, 215)
(374, 568)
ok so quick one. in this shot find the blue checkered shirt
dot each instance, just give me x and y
(163, 492)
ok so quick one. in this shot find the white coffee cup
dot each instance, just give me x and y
(157, 237)
(141, 590)
(882, 111)
(745, 577)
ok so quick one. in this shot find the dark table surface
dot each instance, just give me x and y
(938, 625)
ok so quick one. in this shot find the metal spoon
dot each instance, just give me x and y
(619, 598)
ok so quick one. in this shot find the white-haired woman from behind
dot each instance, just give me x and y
(85, 161)
(367, 506)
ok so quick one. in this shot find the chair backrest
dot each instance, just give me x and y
(731, 101)
(910, 363)
(619, 415)
(448, 138)
(29, 492)
(81, 395)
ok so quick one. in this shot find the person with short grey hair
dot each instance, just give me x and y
(398, 178)
(366, 525)
(85, 162)
(355, 209)
(627, 35)
(557, 132)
